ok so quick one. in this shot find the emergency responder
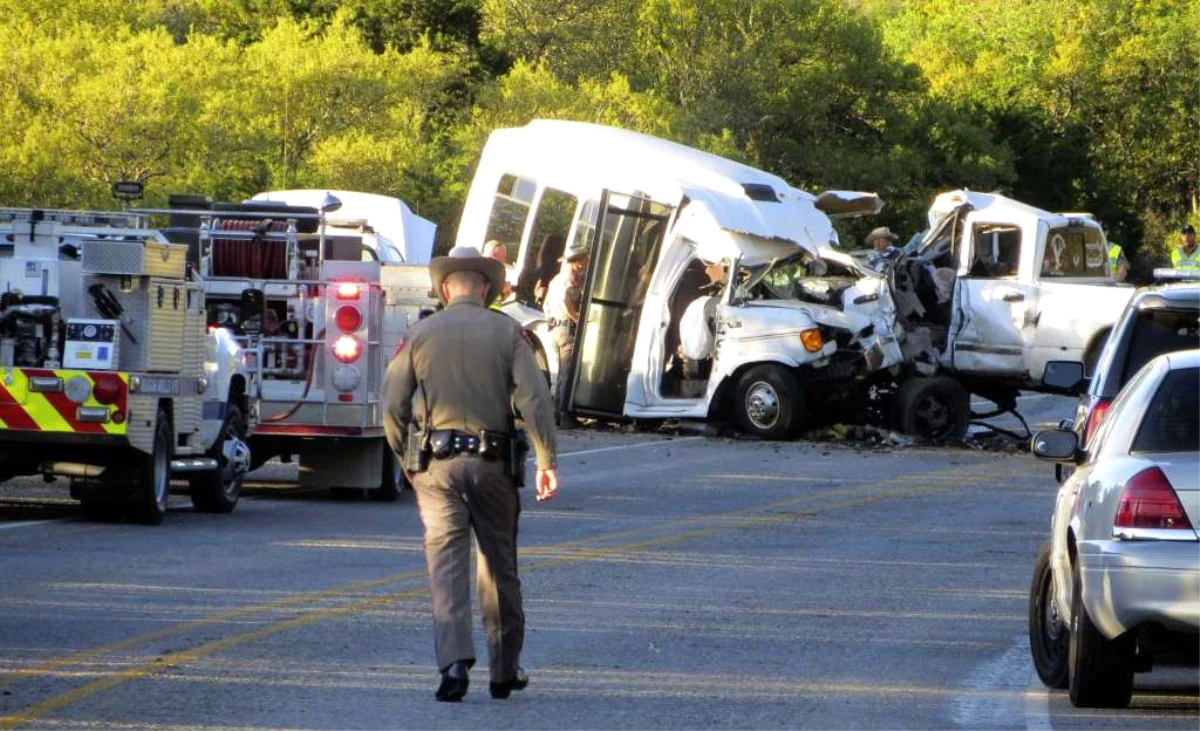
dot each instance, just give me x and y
(1117, 263)
(1186, 256)
(563, 298)
(497, 250)
(882, 240)
(467, 366)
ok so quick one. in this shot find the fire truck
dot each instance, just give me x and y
(320, 295)
(107, 373)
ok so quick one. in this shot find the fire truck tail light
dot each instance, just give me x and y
(348, 318)
(107, 390)
(348, 291)
(347, 349)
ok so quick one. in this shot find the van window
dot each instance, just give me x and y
(552, 223)
(1074, 251)
(514, 196)
(996, 250)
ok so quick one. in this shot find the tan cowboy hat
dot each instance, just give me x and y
(883, 232)
(467, 259)
(576, 251)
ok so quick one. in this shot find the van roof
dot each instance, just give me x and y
(582, 158)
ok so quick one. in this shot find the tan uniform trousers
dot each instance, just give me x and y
(455, 496)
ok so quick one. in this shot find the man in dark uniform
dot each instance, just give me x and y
(467, 366)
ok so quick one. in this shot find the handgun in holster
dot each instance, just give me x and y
(416, 450)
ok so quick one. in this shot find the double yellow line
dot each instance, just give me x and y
(560, 554)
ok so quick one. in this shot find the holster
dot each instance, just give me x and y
(518, 454)
(416, 450)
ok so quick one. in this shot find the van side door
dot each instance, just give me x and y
(624, 253)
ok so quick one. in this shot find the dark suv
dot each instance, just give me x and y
(1158, 319)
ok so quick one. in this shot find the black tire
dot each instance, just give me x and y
(1049, 635)
(935, 408)
(1101, 670)
(768, 402)
(154, 475)
(391, 479)
(212, 492)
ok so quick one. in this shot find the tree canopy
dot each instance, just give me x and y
(1065, 104)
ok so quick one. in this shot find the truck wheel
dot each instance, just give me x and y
(218, 491)
(1101, 670)
(935, 408)
(154, 475)
(391, 480)
(1049, 636)
(768, 402)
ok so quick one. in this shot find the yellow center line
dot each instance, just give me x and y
(177, 658)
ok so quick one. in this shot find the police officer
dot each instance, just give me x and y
(461, 370)
(1186, 255)
(563, 298)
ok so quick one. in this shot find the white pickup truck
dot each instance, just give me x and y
(993, 291)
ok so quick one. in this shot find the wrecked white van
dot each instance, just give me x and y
(790, 330)
(994, 290)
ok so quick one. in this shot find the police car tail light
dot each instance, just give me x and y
(348, 318)
(347, 349)
(1149, 502)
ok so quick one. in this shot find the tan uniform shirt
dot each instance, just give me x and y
(472, 364)
(563, 297)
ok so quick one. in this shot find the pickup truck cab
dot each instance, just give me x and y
(995, 289)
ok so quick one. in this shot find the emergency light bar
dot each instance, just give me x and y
(71, 218)
(1167, 274)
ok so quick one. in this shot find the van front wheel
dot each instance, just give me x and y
(768, 402)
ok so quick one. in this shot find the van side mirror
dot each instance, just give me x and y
(1056, 445)
(1064, 376)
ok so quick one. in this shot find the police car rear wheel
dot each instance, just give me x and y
(768, 402)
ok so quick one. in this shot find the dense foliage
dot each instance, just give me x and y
(1066, 104)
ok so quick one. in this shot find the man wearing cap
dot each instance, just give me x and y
(882, 240)
(467, 366)
(1186, 256)
(563, 297)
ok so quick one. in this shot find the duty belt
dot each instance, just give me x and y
(569, 324)
(447, 443)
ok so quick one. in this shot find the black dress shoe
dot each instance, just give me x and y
(454, 683)
(505, 688)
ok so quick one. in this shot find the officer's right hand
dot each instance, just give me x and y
(547, 484)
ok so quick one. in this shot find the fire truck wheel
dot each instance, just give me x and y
(768, 402)
(218, 491)
(154, 474)
(391, 481)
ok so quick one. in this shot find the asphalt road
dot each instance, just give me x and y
(677, 582)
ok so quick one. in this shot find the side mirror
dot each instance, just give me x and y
(1064, 376)
(1056, 445)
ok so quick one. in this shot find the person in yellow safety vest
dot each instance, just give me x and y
(1187, 256)
(497, 250)
(1117, 263)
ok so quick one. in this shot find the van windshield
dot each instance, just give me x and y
(778, 279)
